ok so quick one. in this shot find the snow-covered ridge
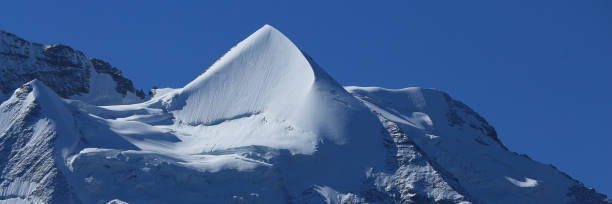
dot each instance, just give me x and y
(266, 76)
(265, 72)
(265, 124)
(36, 136)
(462, 145)
(67, 71)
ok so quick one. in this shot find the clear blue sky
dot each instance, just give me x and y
(538, 71)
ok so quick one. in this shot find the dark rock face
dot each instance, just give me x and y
(124, 85)
(581, 194)
(62, 55)
(406, 160)
(482, 125)
(66, 82)
(63, 69)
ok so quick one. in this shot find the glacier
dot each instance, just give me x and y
(264, 124)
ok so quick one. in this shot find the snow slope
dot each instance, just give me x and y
(266, 92)
(464, 145)
(31, 150)
(264, 124)
(267, 76)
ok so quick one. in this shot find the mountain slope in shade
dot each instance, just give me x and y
(464, 146)
(31, 148)
(67, 71)
(265, 124)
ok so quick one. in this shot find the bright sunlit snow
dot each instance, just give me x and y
(264, 124)
(525, 184)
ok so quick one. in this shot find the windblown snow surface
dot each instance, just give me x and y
(265, 124)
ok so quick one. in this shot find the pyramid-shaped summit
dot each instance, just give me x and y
(264, 72)
(269, 76)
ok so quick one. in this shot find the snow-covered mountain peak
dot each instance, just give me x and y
(264, 72)
(264, 124)
(37, 134)
(35, 94)
(49, 105)
(267, 77)
(265, 92)
(38, 90)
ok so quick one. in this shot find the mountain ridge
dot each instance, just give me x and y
(67, 71)
(266, 123)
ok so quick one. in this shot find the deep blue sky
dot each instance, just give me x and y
(538, 71)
